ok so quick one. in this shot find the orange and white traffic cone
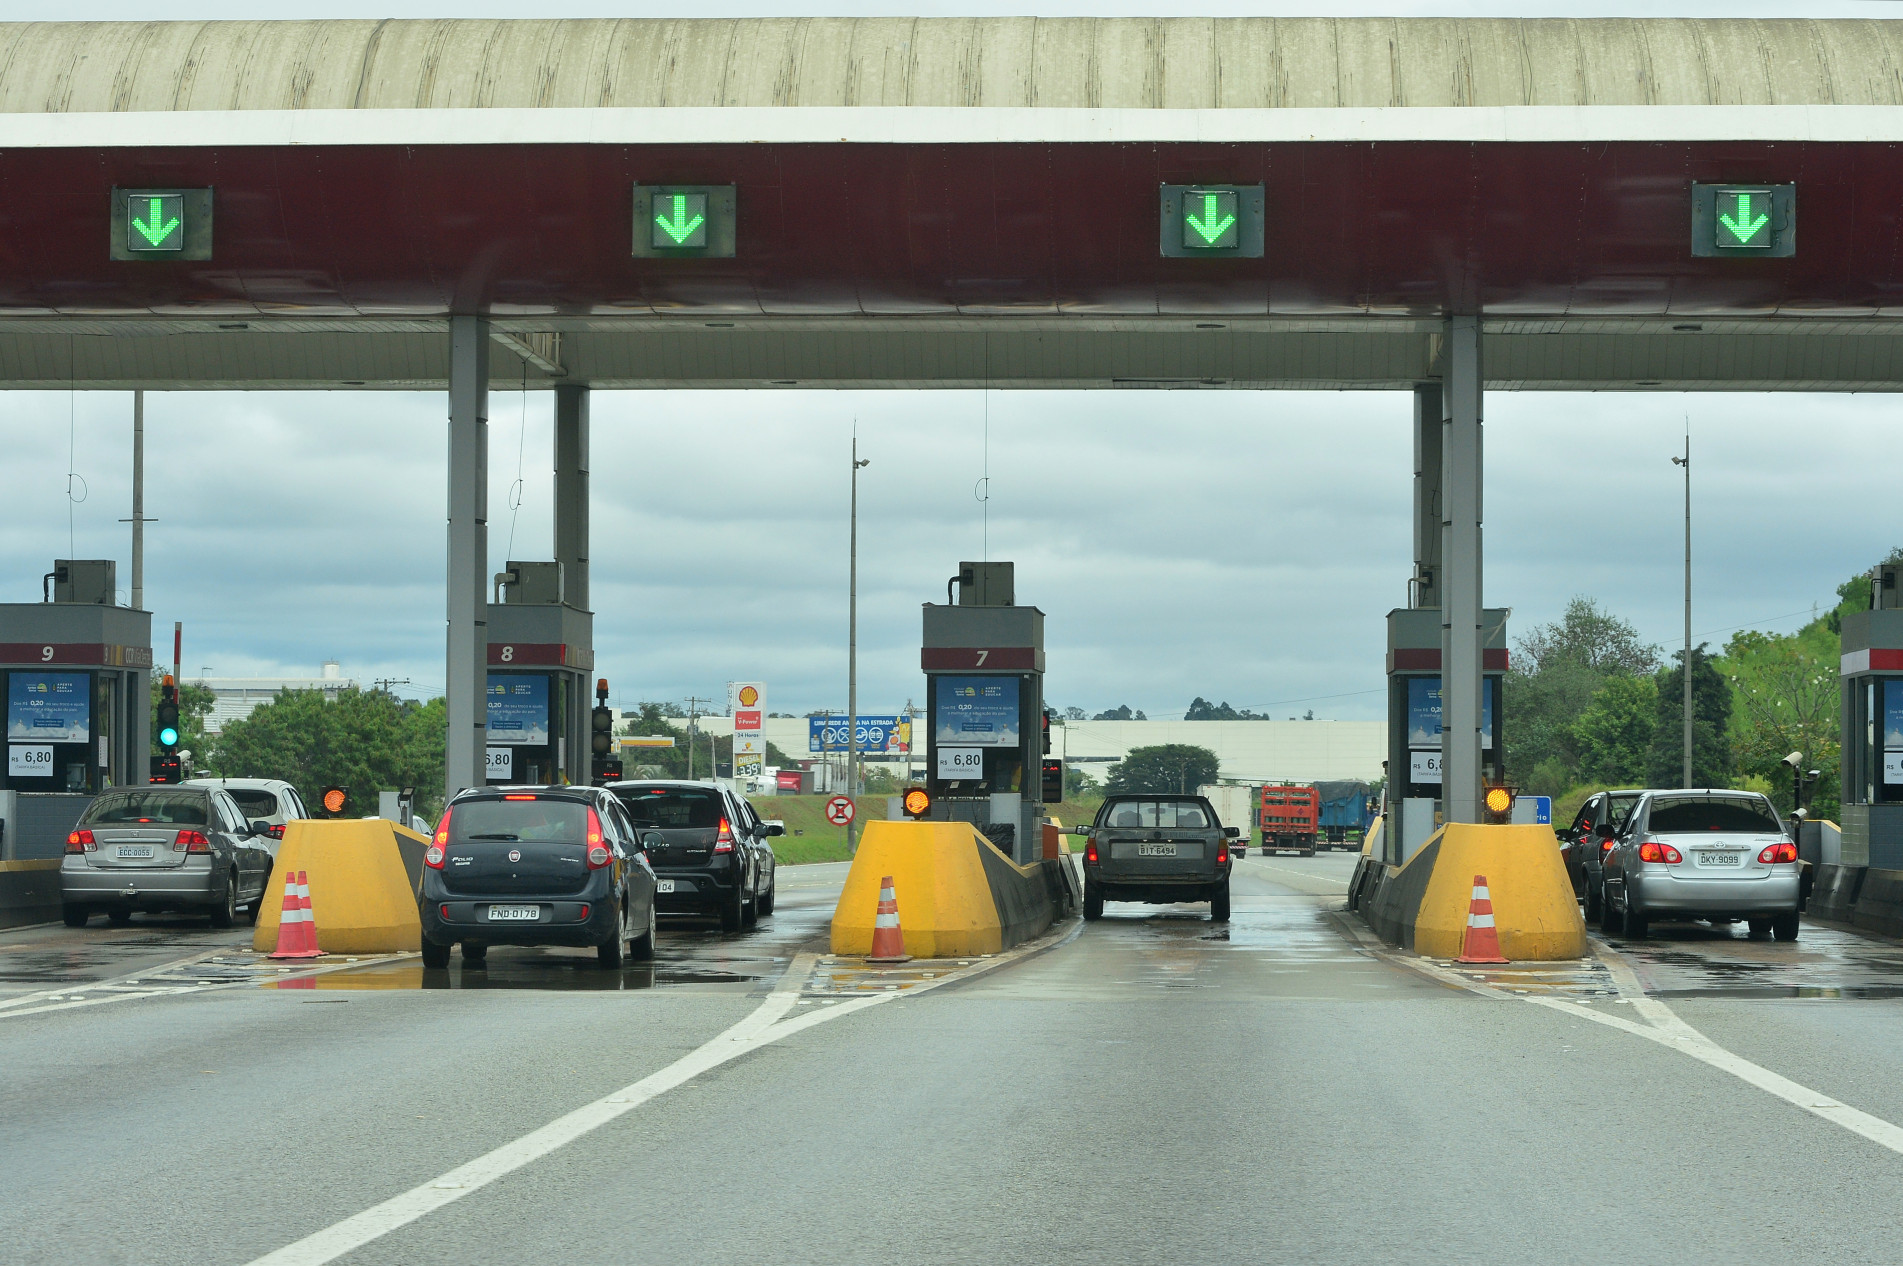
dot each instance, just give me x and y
(888, 941)
(297, 926)
(1482, 941)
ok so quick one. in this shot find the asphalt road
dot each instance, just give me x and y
(1149, 1088)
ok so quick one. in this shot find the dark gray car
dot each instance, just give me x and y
(163, 848)
(1158, 849)
(1586, 842)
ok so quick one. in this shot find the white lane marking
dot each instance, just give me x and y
(47, 995)
(761, 1027)
(1665, 1027)
(56, 1000)
(1289, 870)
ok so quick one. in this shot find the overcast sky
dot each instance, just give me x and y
(1240, 546)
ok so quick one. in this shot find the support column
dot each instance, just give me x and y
(466, 685)
(1461, 470)
(571, 491)
(1429, 419)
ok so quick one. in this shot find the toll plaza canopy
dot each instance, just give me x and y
(950, 202)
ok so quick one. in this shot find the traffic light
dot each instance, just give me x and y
(334, 799)
(917, 803)
(602, 740)
(1498, 805)
(1053, 781)
(168, 716)
(166, 769)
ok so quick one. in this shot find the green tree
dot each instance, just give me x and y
(1557, 671)
(1177, 768)
(1613, 736)
(1120, 714)
(1711, 726)
(366, 740)
(1785, 694)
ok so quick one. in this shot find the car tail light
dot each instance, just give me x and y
(439, 843)
(1222, 854)
(192, 842)
(1653, 851)
(1090, 853)
(518, 797)
(443, 910)
(81, 842)
(585, 908)
(723, 843)
(598, 854)
(1778, 853)
(1605, 846)
(275, 832)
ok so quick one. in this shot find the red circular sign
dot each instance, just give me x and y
(839, 811)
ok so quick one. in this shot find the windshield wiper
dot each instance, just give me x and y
(492, 837)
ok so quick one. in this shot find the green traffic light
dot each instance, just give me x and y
(168, 736)
(1744, 218)
(1215, 226)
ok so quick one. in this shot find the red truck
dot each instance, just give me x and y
(1289, 819)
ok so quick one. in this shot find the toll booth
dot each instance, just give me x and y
(541, 654)
(77, 674)
(983, 657)
(1414, 730)
(1872, 675)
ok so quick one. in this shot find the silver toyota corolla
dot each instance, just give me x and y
(1719, 855)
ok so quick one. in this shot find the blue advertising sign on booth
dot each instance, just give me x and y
(976, 712)
(49, 708)
(518, 710)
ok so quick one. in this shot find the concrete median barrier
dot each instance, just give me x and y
(1423, 905)
(362, 875)
(29, 892)
(957, 894)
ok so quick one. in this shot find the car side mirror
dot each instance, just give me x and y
(1232, 832)
(1606, 832)
(774, 828)
(651, 840)
(260, 827)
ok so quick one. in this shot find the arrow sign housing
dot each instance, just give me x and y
(681, 222)
(1211, 221)
(161, 225)
(1744, 221)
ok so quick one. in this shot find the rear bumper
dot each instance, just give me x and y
(560, 918)
(1664, 894)
(193, 883)
(1156, 889)
(695, 891)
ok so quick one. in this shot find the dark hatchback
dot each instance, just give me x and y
(1158, 849)
(535, 866)
(708, 847)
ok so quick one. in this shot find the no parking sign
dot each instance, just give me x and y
(839, 811)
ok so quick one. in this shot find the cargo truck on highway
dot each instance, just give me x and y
(1288, 819)
(1234, 804)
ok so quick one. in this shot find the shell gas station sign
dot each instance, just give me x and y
(746, 703)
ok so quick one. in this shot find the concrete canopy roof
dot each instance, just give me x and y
(1096, 63)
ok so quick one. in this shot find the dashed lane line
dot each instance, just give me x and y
(767, 1024)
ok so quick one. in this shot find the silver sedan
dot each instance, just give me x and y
(1718, 855)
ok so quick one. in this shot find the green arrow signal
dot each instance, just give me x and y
(150, 228)
(1744, 228)
(680, 228)
(1209, 228)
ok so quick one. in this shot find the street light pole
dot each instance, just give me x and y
(852, 649)
(1686, 462)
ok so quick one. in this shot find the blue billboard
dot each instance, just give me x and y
(876, 734)
(48, 708)
(518, 710)
(976, 712)
(1423, 712)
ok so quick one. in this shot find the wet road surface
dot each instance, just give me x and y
(1151, 1087)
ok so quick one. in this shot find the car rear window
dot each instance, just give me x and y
(1710, 813)
(180, 808)
(544, 821)
(669, 808)
(1619, 808)
(1188, 815)
(255, 803)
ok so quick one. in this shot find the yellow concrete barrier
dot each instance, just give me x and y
(945, 904)
(362, 895)
(1533, 905)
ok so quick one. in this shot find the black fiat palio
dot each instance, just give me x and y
(535, 866)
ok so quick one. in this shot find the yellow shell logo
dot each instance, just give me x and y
(748, 696)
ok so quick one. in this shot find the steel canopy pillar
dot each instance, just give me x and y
(1460, 604)
(466, 684)
(1429, 420)
(571, 491)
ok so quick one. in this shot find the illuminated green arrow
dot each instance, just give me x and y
(680, 228)
(1744, 228)
(1209, 227)
(151, 230)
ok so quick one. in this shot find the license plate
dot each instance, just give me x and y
(134, 850)
(1156, 850)
(514, 914)
(1721, 859)
(664, 885)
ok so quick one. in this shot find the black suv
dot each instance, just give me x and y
(708, 846)
(1160, 849)
(1584, 844)
(535, 866)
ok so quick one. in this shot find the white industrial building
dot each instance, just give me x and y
(236, 698)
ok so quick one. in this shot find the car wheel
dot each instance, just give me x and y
(435, 957)
(641, 948)
(1610, 920)
(74, 916)
(1308, 852)
(1760, 929)
(1219, 904)
(610, 950)
(119, 916)
(1595, 904)
(732, 914)
(1093, 902)
(772, 890)
(475, 955)
(1636, 924)
(227, 914)
(1784, 927)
